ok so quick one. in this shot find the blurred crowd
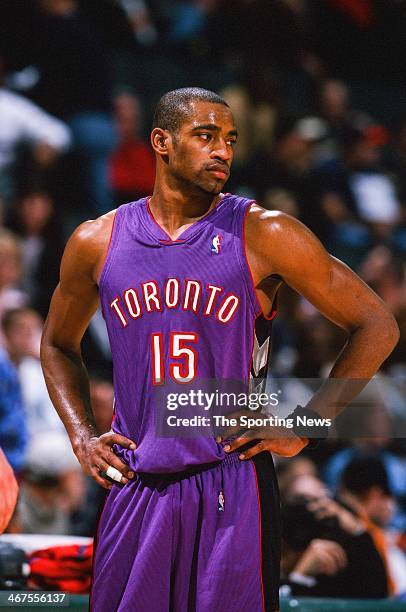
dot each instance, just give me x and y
(317, 90)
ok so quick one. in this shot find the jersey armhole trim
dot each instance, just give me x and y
(242, 260)
(246, 266)
(108, 258)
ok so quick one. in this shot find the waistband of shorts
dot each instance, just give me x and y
(168, 477)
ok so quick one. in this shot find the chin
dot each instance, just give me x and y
(214, 189)
(217, 190)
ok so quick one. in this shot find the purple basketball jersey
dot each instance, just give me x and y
(178, 311)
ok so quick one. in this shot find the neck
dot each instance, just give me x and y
(176, 205)
(15, 357)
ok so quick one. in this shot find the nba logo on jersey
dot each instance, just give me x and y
(215, 244)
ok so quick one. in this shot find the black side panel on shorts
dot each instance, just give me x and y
(270, 528)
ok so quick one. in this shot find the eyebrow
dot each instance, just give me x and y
(212, 128)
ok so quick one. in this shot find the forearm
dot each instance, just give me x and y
(68, 386)
(366, 349)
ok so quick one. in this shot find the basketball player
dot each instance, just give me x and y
(187, 280)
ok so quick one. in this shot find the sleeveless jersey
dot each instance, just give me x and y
(178, 310)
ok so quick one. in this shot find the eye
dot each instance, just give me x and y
(205, 136)
(232, 143)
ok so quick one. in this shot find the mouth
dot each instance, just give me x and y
(220, 171)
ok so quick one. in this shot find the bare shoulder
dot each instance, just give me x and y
(277, 243)
(87, 247)
(264, 223)
(94, 232)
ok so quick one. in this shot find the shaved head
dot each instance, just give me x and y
(175, 106)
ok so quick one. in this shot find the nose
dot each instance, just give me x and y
(221, 151)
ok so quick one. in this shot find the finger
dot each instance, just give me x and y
(100, 480)
(234, 444)
(102, 466)
(251, 452)
(114, 438)
(115, 462)
(114, 475)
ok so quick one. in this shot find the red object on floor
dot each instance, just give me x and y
(62, 568)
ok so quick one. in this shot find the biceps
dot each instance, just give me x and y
(69, 316)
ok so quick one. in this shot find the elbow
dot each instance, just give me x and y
(382, 331)
(393, 332)
(44, 349)
(47, 345)
(389, 333)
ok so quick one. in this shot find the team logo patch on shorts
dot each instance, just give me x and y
(221, 501)
(216, 244)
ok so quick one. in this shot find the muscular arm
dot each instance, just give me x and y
(73, 304)
(280, 245)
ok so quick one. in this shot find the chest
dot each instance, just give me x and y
(201, 278)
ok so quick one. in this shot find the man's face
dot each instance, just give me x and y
(379, 506)
(24, 335)
(201, 151)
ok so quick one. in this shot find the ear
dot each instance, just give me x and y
(160, 140)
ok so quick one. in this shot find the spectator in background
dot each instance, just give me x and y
(363, 42)
(334, 107)
(141, 22)
(52, 486)
(256, 121)
(288, 165)
(326, 550)
(22, 122)
(22, 330)
(8, 492)
(279, 199)
(75, 84)
(132, 163)
(334, 102)
(394, 161)
(372, 424)
(10, 273)
(35, 221)
(365, 489)
(357, 201)
(386, 274)
(288, 470)
(13, 428)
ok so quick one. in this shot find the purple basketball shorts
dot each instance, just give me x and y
(191, 542)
